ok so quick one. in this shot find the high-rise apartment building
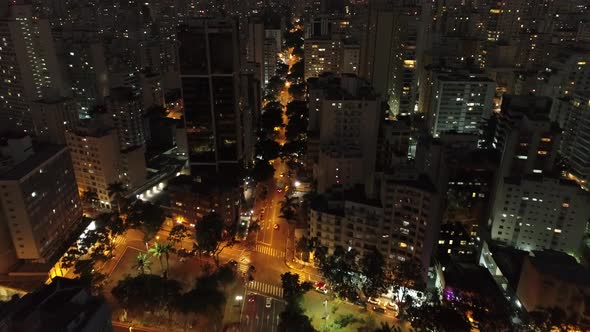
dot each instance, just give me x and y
(403, 224)
(265, 42)
(536, 212)
(87, 71)
(391, 51)
(345, 115)
(322, 55)
(460, 102)
(209, 66)
(52, 117)
(413, 206)
(126, 108)
(527, 137)
(29, 67)
(574, 146)
(97, 160)
(39, 200)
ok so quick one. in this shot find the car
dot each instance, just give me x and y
(268, 302)
(358, 302)
(379, 309)
(251, 298)
(276, 226)
(374, 301)
(392, 305)
(321, 287)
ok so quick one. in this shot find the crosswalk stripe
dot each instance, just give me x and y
(266, 289)
(269, 251)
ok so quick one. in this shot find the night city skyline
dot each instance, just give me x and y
(294, 165)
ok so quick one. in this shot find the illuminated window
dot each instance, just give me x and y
(403, 244)
(541, 152)
(545, 139)
(565, 205)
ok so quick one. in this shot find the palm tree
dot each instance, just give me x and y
(161, 249)
(385, 327)
(142, 263)
(288, 208)
(116, 190)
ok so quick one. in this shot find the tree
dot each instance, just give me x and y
(293, 289)
(271, 118)
(262, 171)
(267, 149)
(297, 91)
(147, 216)
(373, 269)
(550, 319)
(293, 318)
(146, 292)
(288, 211)
(341, 271)
(254, 227)
(407, 275)
(292, 148)
(159, 250)
(298, 68)
(90, 198)
(282, 69)
(437, 317)
(178, 234)
(117, 191)
(275, 85)
(296, 128)
(297, 108)
(385, 327)
(294, 38)
(142, 263)
(213, 235)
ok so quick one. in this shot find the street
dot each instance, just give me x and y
(257, 317)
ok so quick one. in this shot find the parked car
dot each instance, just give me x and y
(321, 287)
(374, 301)
(379, 309)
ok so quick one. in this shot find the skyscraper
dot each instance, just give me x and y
(28, 66)
(390, 53)
(209, 66)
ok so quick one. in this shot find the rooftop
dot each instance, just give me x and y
(42, 155)
(560, 265)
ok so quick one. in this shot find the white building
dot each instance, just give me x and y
(535, 213)
(460, 102)
(97, 160)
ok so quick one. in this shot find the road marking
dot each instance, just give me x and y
(266, 289)
(269, 251)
